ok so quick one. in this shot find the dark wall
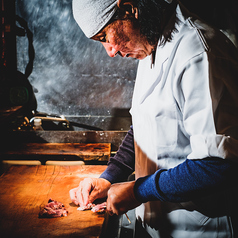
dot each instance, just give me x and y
(72, 75)
(221, 14)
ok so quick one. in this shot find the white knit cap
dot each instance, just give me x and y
(93, 15)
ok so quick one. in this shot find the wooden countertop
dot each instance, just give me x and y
(26, 189)
(83, 151)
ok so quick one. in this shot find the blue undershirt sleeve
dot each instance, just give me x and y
(190, 180)
(123, 163)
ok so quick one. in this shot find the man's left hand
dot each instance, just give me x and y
(121, 198)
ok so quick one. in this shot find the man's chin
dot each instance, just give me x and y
(140, 57)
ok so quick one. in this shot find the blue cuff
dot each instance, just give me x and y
(146, 188)
(114, 173)
(111, 177)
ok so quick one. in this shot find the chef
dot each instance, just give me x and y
(183, 145)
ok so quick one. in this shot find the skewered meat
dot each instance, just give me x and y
(99, 208)
(87, 207)
(53, 209)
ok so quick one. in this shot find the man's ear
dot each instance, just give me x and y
(128, 7)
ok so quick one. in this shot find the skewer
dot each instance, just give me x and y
(128, 218)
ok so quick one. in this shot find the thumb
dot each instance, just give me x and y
(93, 196)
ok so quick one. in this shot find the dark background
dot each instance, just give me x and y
(74, 77)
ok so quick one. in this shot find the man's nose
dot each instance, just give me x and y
(111, 51)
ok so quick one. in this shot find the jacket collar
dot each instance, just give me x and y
(162, 53)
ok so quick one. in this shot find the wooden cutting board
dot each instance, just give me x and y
(26, 189)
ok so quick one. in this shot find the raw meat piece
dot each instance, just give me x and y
(53, 209)
(99, 208)
(87, 207)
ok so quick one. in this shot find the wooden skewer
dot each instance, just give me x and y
(128, 218)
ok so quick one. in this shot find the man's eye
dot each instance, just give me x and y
(103, 39)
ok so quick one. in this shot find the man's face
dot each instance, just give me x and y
(123, 37)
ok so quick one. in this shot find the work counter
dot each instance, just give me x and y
(26, 189)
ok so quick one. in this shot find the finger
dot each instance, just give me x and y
(73, 196)
(110, 212)
(93, 196)
(79, 196)
(85, 192)
(109, 209)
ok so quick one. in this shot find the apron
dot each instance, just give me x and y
(151, 213)
(162, 140)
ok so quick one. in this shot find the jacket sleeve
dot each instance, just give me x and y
(211, 123)
(209, 104)
(123, 163)
(193, 179)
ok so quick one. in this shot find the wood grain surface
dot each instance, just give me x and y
(26, 189)
(85, 151)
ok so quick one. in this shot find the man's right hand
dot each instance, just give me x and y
(89, 190)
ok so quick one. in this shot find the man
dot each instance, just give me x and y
(184, 139)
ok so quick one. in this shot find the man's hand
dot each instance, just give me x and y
(121, 198)
(89, 190)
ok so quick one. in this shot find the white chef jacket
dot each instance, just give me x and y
(186, 106)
